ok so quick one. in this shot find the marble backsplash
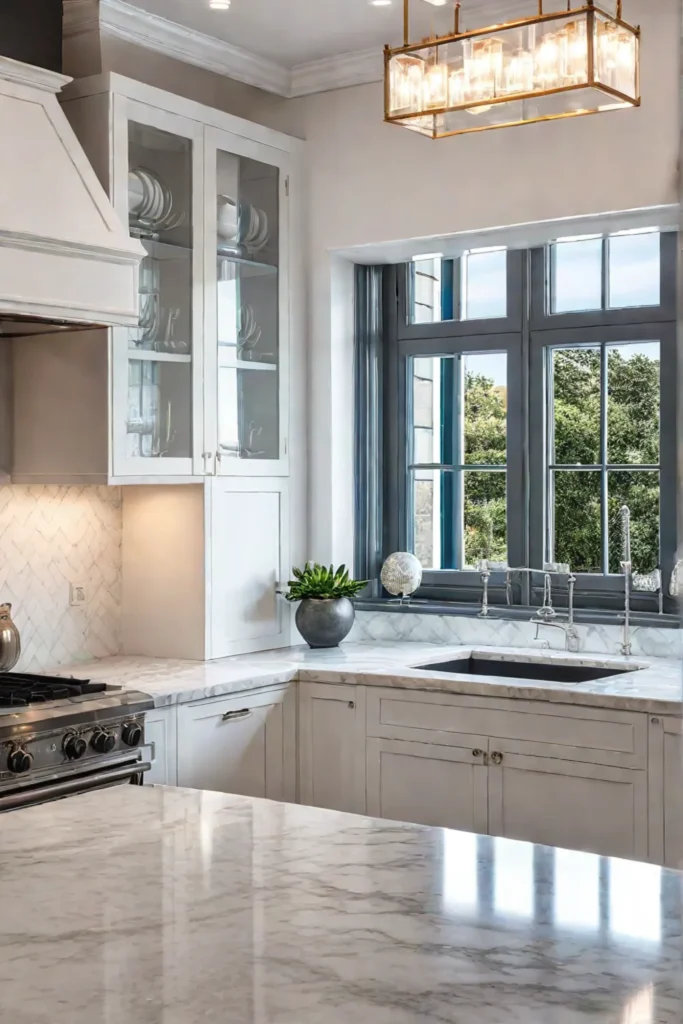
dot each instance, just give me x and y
(51, 537)
(594, 639)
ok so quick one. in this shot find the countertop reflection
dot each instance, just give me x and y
(168, 906)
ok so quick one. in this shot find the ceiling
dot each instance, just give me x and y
(295, 32)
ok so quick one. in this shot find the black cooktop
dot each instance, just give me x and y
(19, 689)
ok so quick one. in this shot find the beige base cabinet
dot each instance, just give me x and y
(332, 747)
(244, 744)
(427, 784)
(594, 779)
(569, 804)
(665, 797)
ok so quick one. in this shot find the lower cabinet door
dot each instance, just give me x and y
(569, 804)
(243, 745)
(427, 784)
(159, 748)
(332, 746)
(673, 793)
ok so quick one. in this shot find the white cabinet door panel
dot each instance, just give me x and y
(332, 746)
(426, 784)
(248, 556)
(241, 745)
(673, 793)
(160, 746)
(573, 805)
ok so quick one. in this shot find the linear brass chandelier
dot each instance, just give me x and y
(564, 63)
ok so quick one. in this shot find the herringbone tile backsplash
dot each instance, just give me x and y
(51, 537)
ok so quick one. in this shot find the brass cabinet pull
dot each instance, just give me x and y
(497, 757)
(236, 716)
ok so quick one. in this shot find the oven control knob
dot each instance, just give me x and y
(74, 747)
(19, 762)
(102, 741)
(131, 734)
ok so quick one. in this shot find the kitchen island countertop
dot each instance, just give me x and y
(171, 906)
(656, 687)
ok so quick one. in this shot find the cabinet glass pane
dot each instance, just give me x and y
(247, 307)
(159, 422)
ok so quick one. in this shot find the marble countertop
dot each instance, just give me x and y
(170, 906)
(657, 686)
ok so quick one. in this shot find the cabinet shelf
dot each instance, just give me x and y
(159, 357)
(166, 250)
(249, 268)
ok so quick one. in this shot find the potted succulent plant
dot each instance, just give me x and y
(325, 615)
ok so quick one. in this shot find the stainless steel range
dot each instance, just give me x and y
(60, 736)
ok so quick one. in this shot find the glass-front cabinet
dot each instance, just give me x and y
(199, 386)
(245, 316)
(156, 398)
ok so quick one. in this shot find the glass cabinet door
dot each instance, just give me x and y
(154, 381)
(245, 306)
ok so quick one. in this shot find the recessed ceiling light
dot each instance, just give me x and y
(380, 3)
(219, 5)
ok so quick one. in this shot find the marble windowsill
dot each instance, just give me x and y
(656, 688)
(153, 904)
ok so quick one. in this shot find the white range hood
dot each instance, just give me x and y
(64, 253)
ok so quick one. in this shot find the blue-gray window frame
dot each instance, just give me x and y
(385, 341)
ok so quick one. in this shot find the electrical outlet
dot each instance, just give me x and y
(77, 595)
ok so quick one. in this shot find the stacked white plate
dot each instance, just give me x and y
(240, 223)
(149, 200)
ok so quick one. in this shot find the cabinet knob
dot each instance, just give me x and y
(497, 757)
(352, 704)
(655, 721)
(477, 752)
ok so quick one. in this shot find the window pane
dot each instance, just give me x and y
(633, 404)
(432, 518)
(576, 276)
(432, 409)
(576, 407)
(484, 284)
(640, 491)
(431, 291)
(485, 518)
(484, 380)
(577, 521)
(634, 270)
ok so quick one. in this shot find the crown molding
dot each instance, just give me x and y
(338, 72)
(128, 22)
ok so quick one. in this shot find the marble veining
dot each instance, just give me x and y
(657, 687)
(168, 906)
(594, 638)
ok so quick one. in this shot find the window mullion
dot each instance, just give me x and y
(458, 525)
(604, 484)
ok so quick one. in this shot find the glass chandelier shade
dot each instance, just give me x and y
(555, 64)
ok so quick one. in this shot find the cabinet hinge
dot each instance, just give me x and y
(287, 186)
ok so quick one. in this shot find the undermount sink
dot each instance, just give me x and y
(547, 670)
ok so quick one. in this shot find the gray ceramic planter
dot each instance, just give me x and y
(324, 622)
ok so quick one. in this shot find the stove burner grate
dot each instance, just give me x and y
(18, 689)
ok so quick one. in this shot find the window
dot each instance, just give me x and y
(528, 396)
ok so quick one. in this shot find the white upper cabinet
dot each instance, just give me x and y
(200, 387)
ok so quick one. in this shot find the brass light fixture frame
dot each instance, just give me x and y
(589, 9)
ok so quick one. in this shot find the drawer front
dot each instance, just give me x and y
(570, 732)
